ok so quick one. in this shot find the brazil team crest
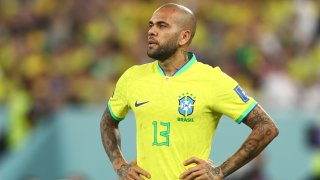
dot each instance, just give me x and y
(186, 104)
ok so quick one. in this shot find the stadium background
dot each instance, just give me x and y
(59, 61)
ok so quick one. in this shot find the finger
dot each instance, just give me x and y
(128, 178)
(202, 177)
(142, 172)
(189, 171)
(194, 175)
(192, 160)
(135, 176)
(134, 162)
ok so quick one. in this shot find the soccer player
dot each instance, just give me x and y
(177, 102)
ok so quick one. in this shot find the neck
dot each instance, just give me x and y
(174, 63)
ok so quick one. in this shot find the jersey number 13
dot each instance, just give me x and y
(165, 139)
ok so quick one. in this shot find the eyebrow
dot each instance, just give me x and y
(158, 22)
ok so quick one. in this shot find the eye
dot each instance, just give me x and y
(162, 25)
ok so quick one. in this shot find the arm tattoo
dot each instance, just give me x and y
(212, 170)
(216, 172)
(263, 132)
(124, 170)
(110, 136)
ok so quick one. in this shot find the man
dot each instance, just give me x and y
(178, 102)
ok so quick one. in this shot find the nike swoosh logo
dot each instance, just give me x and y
(139, 104)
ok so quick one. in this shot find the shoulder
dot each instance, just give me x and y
(208, 70)
(137, 71)
(142, 67)
(214, 75)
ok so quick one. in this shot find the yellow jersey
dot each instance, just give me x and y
(176, 116)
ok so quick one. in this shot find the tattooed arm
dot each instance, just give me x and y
(263, 132)
(111, 142)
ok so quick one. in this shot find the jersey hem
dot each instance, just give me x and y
(112, 114)
(246, 112)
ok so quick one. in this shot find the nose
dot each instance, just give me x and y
(152, 31)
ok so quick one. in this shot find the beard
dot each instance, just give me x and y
(163, 52)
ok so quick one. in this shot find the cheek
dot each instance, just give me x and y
(169, 38)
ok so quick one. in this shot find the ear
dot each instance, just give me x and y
(184, 37)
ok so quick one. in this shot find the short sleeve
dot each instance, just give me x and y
(229, 98)
(118, 103)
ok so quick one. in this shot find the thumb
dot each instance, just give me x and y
(134, 162)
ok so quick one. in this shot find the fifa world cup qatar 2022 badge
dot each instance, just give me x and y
(241, 94)
(186, 107)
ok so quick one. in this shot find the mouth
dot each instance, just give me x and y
(151, 45)
(152, 42)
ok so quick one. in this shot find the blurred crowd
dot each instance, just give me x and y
(59, 52)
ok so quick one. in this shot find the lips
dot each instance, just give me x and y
(152, 41)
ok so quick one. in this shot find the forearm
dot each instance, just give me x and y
(111, 140)
(263, 132)
(252, 146)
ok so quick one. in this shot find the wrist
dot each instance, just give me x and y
(118, 165)
(217, 172)
(220, 170)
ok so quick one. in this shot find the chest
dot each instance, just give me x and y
(180, 98)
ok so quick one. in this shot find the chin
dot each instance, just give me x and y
(151, 54)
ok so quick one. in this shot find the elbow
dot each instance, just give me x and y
(101, 129)
(268, 131)
(274, 131)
